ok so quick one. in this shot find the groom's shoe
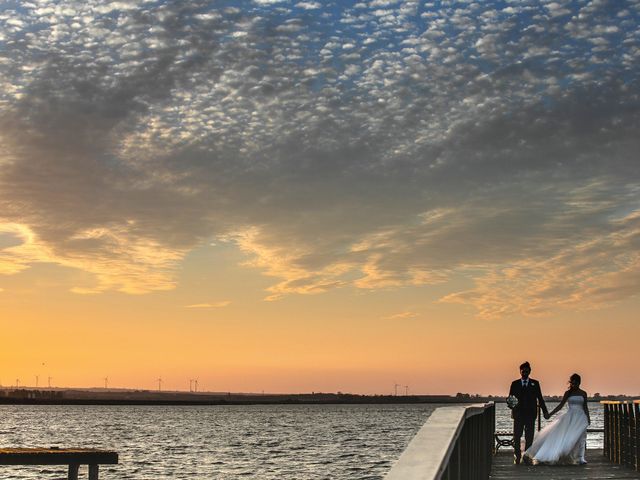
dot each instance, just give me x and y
(527, 460)
(516, 459)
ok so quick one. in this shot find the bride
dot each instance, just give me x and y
(564, 440)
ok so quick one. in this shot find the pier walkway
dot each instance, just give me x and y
(598, 468)
(460, 443)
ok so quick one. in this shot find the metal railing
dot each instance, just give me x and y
(455, 443)
(622, 433)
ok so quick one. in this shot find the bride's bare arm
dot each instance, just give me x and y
(586, 406)
(559, 407)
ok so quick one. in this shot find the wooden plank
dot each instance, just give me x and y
(598, 468)
(56, 456)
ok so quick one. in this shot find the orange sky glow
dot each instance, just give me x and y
(216, 327)
(311, 196)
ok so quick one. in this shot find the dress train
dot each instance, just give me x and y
(564, 440)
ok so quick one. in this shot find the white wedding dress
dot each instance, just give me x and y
(564, 440)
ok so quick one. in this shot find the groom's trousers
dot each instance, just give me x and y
(520, 424)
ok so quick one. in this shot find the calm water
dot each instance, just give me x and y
(227, 442)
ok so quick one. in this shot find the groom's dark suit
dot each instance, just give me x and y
(525, 413)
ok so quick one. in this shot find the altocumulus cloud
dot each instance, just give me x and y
(221, 304)
(371, 144)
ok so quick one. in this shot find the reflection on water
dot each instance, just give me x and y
(229, 442)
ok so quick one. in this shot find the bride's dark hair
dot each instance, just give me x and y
(575, 378)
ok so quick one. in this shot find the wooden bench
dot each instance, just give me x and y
(73, 457)
(504, 438)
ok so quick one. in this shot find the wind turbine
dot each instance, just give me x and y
(395, 388)
(406, 390)
(159, 384)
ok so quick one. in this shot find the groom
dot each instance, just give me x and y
(527, 391)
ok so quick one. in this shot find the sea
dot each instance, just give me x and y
(354, 442)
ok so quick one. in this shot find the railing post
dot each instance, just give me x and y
(454, 463)
(612, 433)
(616, 433)
(623, 434)
(480, 448)
(93, 472)
(631, 452)
(73, 471)
(464, 446)
(473, 442)
(605, 423)
(636, 420)
(491, 435)
(626, 417)
(611, 427)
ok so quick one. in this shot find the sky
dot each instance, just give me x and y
(297, 196)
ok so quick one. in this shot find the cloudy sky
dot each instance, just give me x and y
(291, 192)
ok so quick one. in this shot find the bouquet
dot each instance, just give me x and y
(512, 402)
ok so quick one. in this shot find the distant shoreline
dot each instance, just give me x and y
(18, 401)
(149, 398)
